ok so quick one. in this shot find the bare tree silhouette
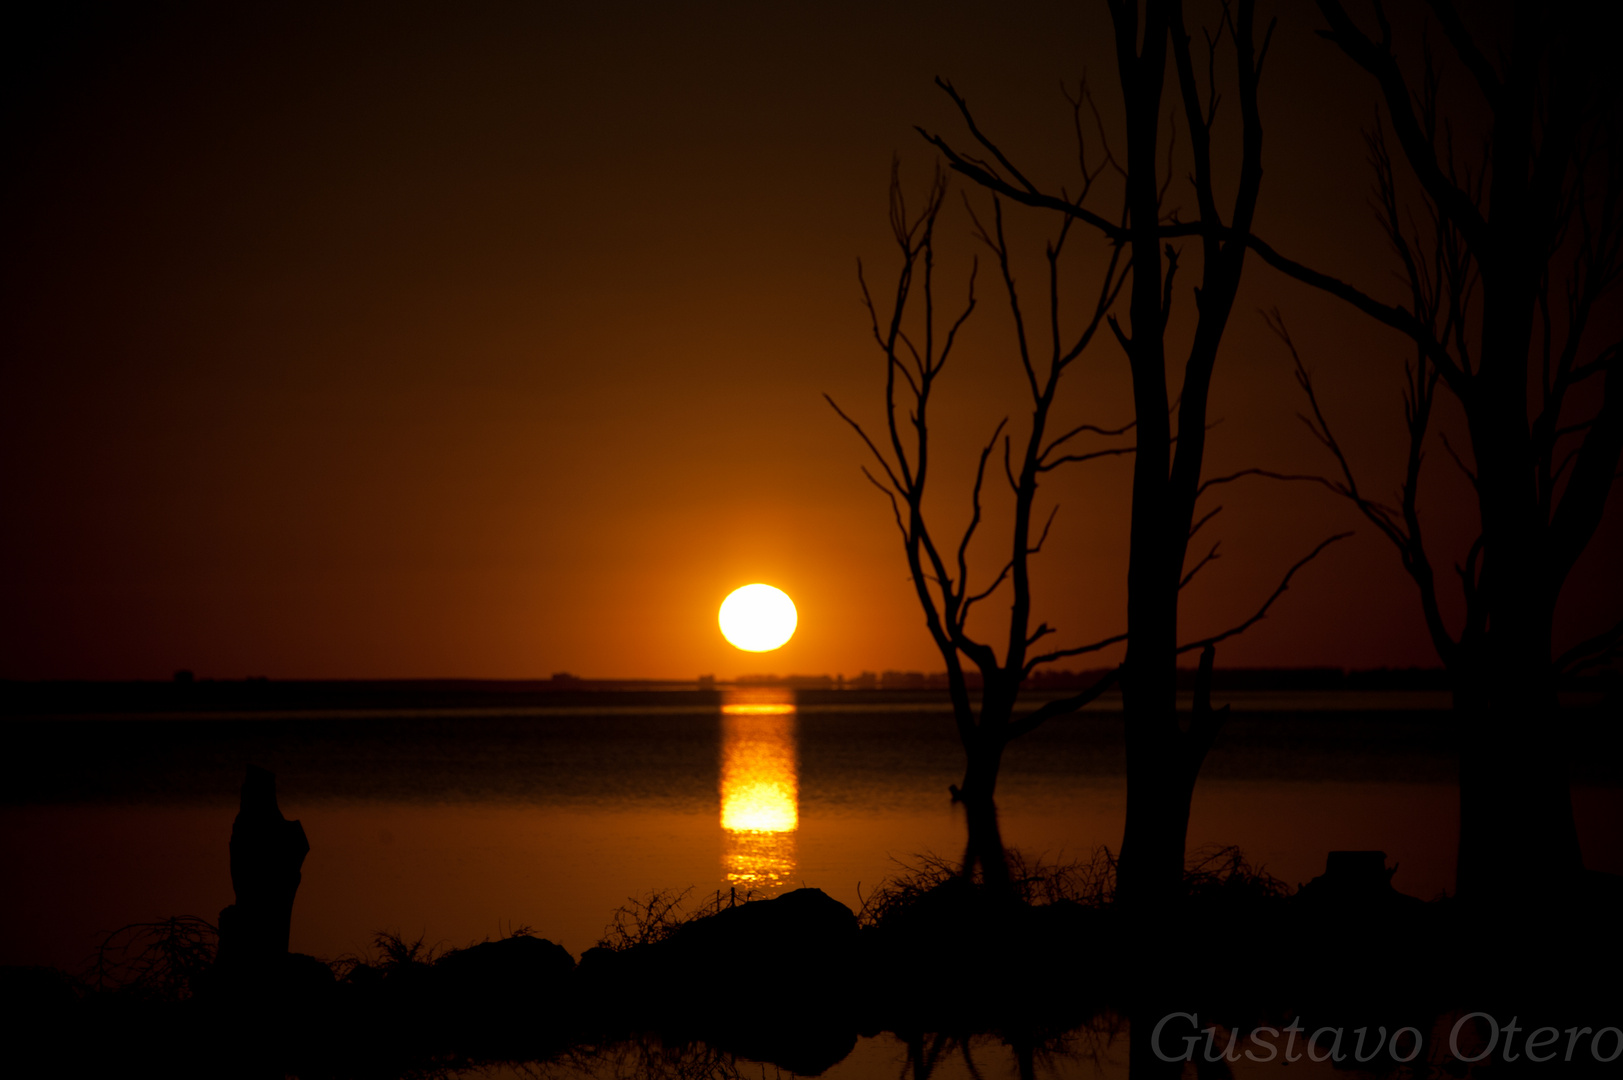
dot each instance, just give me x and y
(1508, 266)
(1164, 756)
(941, 577)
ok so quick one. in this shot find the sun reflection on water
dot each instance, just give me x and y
(760, 790)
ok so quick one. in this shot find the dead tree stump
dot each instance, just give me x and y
(267, 852)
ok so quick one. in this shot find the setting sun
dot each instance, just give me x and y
(758, 618)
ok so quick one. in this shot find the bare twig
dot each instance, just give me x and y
(1268, 603)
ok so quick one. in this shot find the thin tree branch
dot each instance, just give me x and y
(1062, 706)
(1268, 603)
(1195, 528)
(1071, 458)
(1210, 556)
(1591, 651)
(1268, 474)
(1060, 654)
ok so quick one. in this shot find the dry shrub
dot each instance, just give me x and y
(1036, 882)
(645, 919)
(1218, 872)
(1091, 883)
(1215, 872)
(396, 952)
(655, 916)
(902, 890)
(160, 961)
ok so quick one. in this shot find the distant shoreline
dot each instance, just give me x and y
(19, 698)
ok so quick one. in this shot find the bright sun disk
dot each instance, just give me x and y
(758, 618)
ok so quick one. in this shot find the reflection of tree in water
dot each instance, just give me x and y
(647, 1058)
(1083, 1050)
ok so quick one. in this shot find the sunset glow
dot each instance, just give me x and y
(423, 425)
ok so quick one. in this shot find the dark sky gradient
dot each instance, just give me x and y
(489, 340)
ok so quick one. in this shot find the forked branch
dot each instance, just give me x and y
(914, 356)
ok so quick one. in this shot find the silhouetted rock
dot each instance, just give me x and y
(1349, 932)
(804, 939)
(514, 965)
(962, 954)
(1355, 882)
(802, 934)
(770, 980)
(794, 1045)
(502, 999)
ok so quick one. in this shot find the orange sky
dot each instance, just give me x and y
(418, 340)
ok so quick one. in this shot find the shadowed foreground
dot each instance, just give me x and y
(794, 981)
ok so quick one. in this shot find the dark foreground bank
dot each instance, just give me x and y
(1241, 970)
(1336, 972)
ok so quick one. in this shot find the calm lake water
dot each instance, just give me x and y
(461, 824)
(458, 825)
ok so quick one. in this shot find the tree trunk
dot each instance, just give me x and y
(1518, 839)
(984, 847)
(267, 852)
(1149, 699)
(1159, 784)
(1517, 834)
(1150, 869)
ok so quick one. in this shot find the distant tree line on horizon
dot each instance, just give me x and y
(1257, 678)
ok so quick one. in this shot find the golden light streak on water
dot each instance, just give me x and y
(760, 789)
